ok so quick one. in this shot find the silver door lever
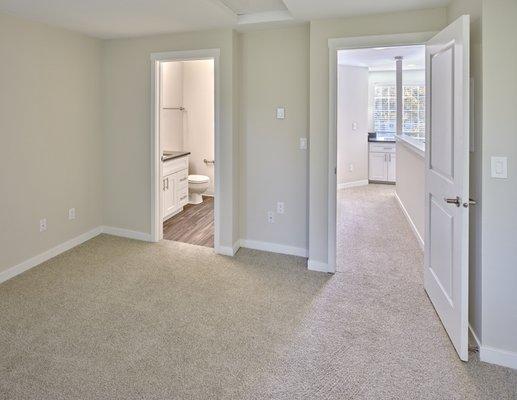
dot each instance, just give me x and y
(456, 200)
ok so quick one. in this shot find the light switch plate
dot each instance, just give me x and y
(499, 167)
(280, 113)
(354, 126)
(303, 143)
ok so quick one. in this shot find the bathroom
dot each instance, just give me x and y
(187, 129)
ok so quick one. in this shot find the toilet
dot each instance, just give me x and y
(197, 185)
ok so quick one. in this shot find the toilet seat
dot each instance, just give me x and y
(198, 179)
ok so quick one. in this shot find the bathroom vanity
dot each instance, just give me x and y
(382, 159)
(174, 182)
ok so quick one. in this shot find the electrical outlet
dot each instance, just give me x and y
(354, 126)
(71, 214)
(280, 207)
(351, 167)
(43, 225)
(303, 143)
(271, 217)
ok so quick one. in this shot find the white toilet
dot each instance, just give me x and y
(197, 185)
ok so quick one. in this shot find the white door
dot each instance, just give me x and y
(447, 184)
(377, 167)
(392, 167)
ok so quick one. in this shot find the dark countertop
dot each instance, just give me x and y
(171, 155)
(372, 137)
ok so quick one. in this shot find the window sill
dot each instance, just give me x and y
(415, 145)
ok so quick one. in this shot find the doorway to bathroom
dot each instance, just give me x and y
(185, 129)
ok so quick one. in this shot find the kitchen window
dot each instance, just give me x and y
(385, 109)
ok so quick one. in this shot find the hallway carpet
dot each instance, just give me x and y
(120, 319)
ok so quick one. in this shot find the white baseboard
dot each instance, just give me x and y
(492, 355)
(47, 255)
(352, 184)
(497, 356)
(126, 233)
(274, 248)
(229, 251)
(317, 266)
(411, 223)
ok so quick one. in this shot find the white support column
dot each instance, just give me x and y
(400, 95)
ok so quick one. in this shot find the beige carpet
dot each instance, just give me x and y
(120, 319)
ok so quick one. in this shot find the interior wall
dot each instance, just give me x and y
(352, 108)
(320, 32)
(127, 124)
(499, 196)
(171, 121)
(275, 74)
(474, 9)
(411, 185)
(198, 129)
(51, 154)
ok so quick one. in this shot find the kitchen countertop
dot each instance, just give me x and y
(171, 155)
(372, 137)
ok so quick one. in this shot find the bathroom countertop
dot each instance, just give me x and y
(171, 155)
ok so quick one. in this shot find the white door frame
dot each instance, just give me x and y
(156, 171)
(335, 45)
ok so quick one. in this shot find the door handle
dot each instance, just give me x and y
(456, 200)
(470, 203)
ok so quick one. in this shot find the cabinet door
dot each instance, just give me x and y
(392, 167)
(378, 170)
(169, 196)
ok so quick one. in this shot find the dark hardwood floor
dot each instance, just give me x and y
(194, 225)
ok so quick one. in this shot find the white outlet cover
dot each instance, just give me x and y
(280, 113)
(280, 207)
(303, 143)
(354, 126)
(71, 214)
(270, 217)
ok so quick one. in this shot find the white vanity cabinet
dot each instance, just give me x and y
(174, 186)
(382, 162)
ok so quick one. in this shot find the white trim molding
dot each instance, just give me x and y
(335, 45)
(47, 255)
(498, 356)
(352, 184)
(156, 59)
(421, 242)
(126, 233)
(274, 248)
(318, 266)
(227, 250)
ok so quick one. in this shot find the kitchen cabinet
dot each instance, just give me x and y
(382, 162)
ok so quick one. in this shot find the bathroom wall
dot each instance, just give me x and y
(198, 121)
(171, 121)
(352, 106)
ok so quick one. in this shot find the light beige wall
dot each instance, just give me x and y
(499, 196)
(321, 31)
(171, 121)
(198, 132)
(273, 168)
(411, 185)
(127, 137)
(352, 106)
(455, 10)
(50, 151)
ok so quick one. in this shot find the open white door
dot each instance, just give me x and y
(447, 179)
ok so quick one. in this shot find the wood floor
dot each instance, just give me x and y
(194, 225)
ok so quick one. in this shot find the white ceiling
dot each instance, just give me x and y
(126, 18)
(383, 58)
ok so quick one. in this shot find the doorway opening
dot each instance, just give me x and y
(186, 142)
(380, 145)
